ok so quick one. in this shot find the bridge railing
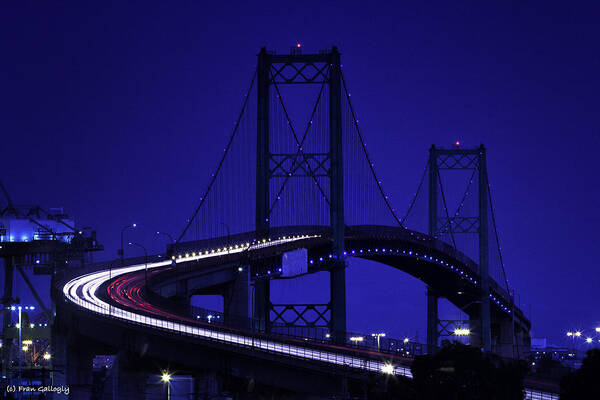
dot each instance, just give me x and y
(401, 347)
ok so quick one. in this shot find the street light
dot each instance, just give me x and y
(598, 329)
(121, 252)
(378, 336)
(166, 378)
(173, 261)
(589, 340)
(356, 339)
(574, 335)
(146, 257)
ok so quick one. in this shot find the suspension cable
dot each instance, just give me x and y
(287, 117)
(489, 190)
(446, 209)
(414, 199)
(299, 152)
(216, 173)
(364, 147)
(465, 194)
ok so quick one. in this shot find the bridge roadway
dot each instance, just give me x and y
(118, 296)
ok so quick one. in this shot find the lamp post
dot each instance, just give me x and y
(146, 258)
(121, 252)
(166, 378)
(574, 335)
(173, 256)
(378, 336)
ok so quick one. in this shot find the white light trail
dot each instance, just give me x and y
(82, 291)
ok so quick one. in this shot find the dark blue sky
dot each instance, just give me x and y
(118, 111)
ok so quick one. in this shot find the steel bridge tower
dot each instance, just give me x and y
(322, 68)
(461, 159)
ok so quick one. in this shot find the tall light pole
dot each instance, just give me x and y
(173, 257)
(121, 252)
(166, 378)
(146, 257)
(378, 336)
(574, 335)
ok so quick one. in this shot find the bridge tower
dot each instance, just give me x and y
(324, 68)
(456, 159)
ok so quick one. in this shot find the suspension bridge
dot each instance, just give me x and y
(295, 192)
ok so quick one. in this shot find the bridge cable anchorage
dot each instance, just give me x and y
(414, 199)
(364, 148)
(299, 153)
(298, 143)
(214, 176)
(446, 210)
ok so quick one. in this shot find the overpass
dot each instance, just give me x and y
(119, 301)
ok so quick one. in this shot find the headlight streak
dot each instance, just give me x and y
(82, 291)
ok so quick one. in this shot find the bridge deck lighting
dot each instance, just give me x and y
(387, 368)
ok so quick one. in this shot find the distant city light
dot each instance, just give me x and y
(406, 340)
(589, 340)
(356, 338)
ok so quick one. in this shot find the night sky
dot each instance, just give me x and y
(117, 112)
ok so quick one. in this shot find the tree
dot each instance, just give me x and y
(583, 383)
(460, 372)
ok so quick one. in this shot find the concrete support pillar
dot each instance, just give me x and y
(59, 354)
(79, 369)
(505, 345)
(337, 288)
(262, 303)
(432, 321)
(236, 302)
(6, 314)
(181, 290)
(475, 338)
(207, 385)
(131, 378)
